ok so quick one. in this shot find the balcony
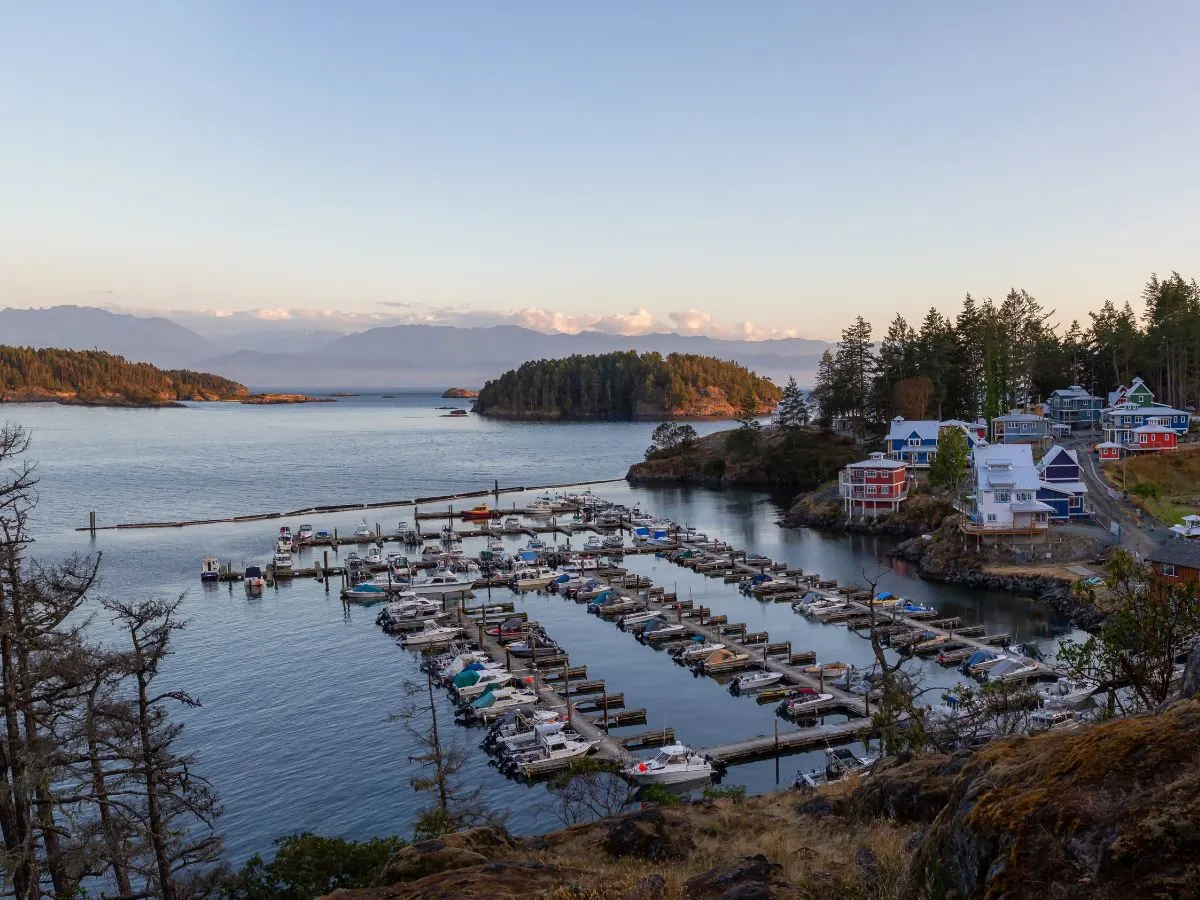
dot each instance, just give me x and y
(887, 492)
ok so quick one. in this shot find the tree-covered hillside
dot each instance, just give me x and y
(626, 385)
(90, 376)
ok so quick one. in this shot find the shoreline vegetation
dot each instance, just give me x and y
(627, 386)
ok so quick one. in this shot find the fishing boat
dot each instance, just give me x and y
(748, 682)
(253, 577)
(697, 650)
(442, 583)
(536, 545)
(554, 750)
(512, 524)
(285, 544)
(1067, 693)
(521, 723)
(210, 568)
(480, 513)
(839, 762)
(674, 764)
(363, 530)
(608, 520)
(594, 544)
(806, 701)
(366, 591)
(526, 740)
(282, 560)
(430, 634)
(613, 542)
(374, 556)
(305, 533)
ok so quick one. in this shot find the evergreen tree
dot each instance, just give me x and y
(793, 410)
(949, 466)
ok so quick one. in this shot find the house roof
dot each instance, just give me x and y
(1064, 487)
(1074, 391)
(1153, 409)
(903, 429)
(877, 464)
(1006, 466)
(1108, 445)
(1053, 453)
(1177, 552)
(1032, 506)
(1156, 429)
(1020, 417)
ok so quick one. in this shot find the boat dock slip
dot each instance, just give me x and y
(764, 746)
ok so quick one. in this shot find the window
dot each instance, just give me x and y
(1141, 439)
(1001, 496)
(1023, 496)
(1075, 503)
(870, 473)
(1167, 569)
(870, 489)
(914, 442)
(991, 517)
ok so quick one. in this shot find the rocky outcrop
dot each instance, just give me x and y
(823, 509)
(274, 399)
(748, 877)
(454, 851)
(459, 393)
(646, 835)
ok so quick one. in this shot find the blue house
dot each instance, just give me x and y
(1061, 484)
(1134, 407)
(1074, 406)
(913, 441)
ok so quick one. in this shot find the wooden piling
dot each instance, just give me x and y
(92, 522)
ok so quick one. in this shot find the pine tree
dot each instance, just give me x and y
(793, 410)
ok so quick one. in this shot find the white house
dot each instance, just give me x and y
(1006, 488)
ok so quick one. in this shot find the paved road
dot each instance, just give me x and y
(1133, 538)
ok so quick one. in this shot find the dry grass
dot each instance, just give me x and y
(1175, 474)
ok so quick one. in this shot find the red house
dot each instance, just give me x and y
(1177, 560)
(1153, 437)
(1109, 450)
(873, 487)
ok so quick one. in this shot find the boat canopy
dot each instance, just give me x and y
(720, 656)
(486, 699)
(528, 555)
(980, 656)
(602, 598)
(884, 595)
(467, 677)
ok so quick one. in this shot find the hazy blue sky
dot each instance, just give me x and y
(787, 164)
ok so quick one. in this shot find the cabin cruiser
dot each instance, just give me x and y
(285, 543)
(594, 544)
(366, 590)
(1011, 669)
(210, 568)
(374, 556)
(608, 520)
(534, 648)
(526, 740)
(305, 533)
(537, 545)
(282, 560)
(540, 509)
(657, 631)
(472, 682)
(408, 607)
(441, 583)
(497, 701)
(512, 524)
(613, 542)
(1067, 693)
(549, 752)
(674, 764)
(1052, 720)
(254, 578)
(430, 634)
(363, 530)
(399, 566)
(753, 681)
(521, 723)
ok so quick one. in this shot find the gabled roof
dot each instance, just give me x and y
(1064, 487)
(1074, 392)
(1020, 417)
(903, 429)
(1153, 409)
(877, 464)
(1052, 454)
(1006, 466)
(1177, 552)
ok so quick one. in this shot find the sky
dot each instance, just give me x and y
(762, 170)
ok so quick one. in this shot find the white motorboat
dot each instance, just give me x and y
(399, 566)
(512, 524)
(629, 620)
(305, 533)
(655, 632)
(674, 764)
(374, 556)
(804, 703)
(537, 545)
(408, 606)
(285, 532)
(497, 546)
(696, 651)
(284, 545)
(1067, 693)
(210, 568)
(1011, 669)
(753, 681)
(282, 560)
(498, 701)
(539, 509)
(551, 749)
(430, 634)
(1052, 720)
(532, 579)
(526, 740)
(594, 544)
(820, 608)
(442, 583)
(839, 762)
(470, 688)
(366, 591)
(254, 578)
(363, 530)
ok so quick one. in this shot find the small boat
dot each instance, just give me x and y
(827, 669)
(551, 750)
(282, 560)
(374, 556)
(285, 532)
(430, 634)
(839, 762)
(806, 702)
(539, 509)
(1052, 720)
(254, 578)
(363, 530)
(210, 568)
(641, 535)
(512, 524)
(471, 682)
(366, 591)
(909, 608)
(613, 542)
(657, 632)
(630, 620)
(980, 661)
(594, 544)
(305, 533)
(497, 701)
(674, 764)
(695, 651)
(1010, 669)
(480, 513)
(284, 545)
(723, 660)
(1190, 528)
(537, 545)
(322, 534)
(531, 579)
(535, 649)
(753, 681)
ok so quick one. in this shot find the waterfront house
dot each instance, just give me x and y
(1021, 428)
(1061, 484)
(1177, 559)
(1108, 450)
(1134, 407)
(915, 441)
(1005, 496)
(873, 487)
(1074, 407)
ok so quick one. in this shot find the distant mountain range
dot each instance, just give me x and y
(383, 357)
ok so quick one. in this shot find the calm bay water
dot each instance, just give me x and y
(297, 691)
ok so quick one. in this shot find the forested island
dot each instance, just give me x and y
(95, 378)
(628, 385)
